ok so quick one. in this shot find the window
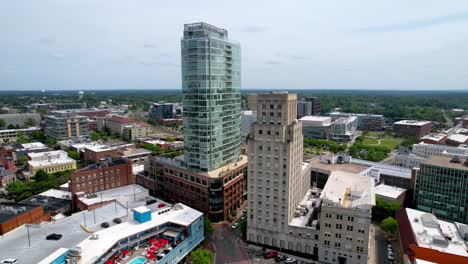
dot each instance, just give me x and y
(349, 228)
(339, 217)
(338, 226)
(351, 218)
(260, 132)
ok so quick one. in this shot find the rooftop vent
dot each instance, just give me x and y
(455, 159)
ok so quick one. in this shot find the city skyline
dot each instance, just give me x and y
(367, 45)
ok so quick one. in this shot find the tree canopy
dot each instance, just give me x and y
(383, 209)
(201, 256)
(389, 225)
(208, 226)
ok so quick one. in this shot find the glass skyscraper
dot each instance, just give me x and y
(211, 97)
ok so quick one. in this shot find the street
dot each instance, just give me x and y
(229, 247)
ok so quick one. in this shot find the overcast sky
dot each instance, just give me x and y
(92, 44)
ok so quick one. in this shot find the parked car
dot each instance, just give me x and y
(244, 211)
(290, 260)
(271, 254)
(105, 225)
(280, 258)
(54, 236)
(9, 261)
(235, 225)
(243, 217)
(151, 201)
(117, 220)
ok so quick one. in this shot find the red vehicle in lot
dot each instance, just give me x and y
(271, 254)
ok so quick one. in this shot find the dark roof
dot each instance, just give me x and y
(11, 210)
(104, 164)
(50, 204)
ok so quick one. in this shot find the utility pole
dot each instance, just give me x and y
(29, 237)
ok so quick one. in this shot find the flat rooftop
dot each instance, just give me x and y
(434, 136)
(15, 243)
(133, 152)
(315, 118)
(446, 162)
(48, 203)
(33, 145)
(388, 191)
(425, 234)
(412, 123)
(11, 210)
(316, 164)
(345, 120)
(384, 168)
(107, 163)
(98, 148)
(124, 194)
(92, 249)
(458, 138)
(57, 157)
(349, 190)
(310, 202)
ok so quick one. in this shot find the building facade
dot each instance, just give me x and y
(12, 135)
(21, 119)
(50, 162)
(252, 102)
(211, 97)
(217, 193)
(316, 126)
(315, 110)
(161, 111)
(304, 108)
(441, 188)
(66, 125)
(343, 128)
(104, 175)
(412, 128)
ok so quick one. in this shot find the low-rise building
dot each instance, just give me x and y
(12, 135)
(135, 155)
(131, 132)
(344, 128)
(413, 128)
(6, 176)
(427, 150)
(24, 149)
(457, 139)
(21, 119)
(304, 108)
(104, 175)
(115, 124)
(364, 121)
(51, 205)
(390, 193)
(96, 152)
(13, 215)
(434, 138)
(50, 162)
(424, 237)
(345, 218)
(316, 126)
(178, 229)
(64, 124)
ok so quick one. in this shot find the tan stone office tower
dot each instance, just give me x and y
(278, 179)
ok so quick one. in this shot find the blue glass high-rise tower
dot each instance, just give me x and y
(211, 97)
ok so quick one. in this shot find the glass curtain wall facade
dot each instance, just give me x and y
(211, 97)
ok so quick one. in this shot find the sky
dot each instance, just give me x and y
(368, 44)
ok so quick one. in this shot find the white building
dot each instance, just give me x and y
(344, 128)
(428, 150)
(50, 162)
(345, 218)
(316, 126)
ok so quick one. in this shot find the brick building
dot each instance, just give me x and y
(412, 128)
(217, 193)
(104, 175)
(96, 152)
(14, 215)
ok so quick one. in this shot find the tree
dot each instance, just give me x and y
(208, 226)
(30, 122)
(94, 136)
(73, 154)
(383, 209)
(22, 160)
(389, 225)
(41, 175)
(201, 256)
(11, 126)
(243, 227)
(2, 123)
(39, 136)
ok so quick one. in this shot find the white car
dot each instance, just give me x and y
(235, 225)
(9, 261)
(290, 260)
